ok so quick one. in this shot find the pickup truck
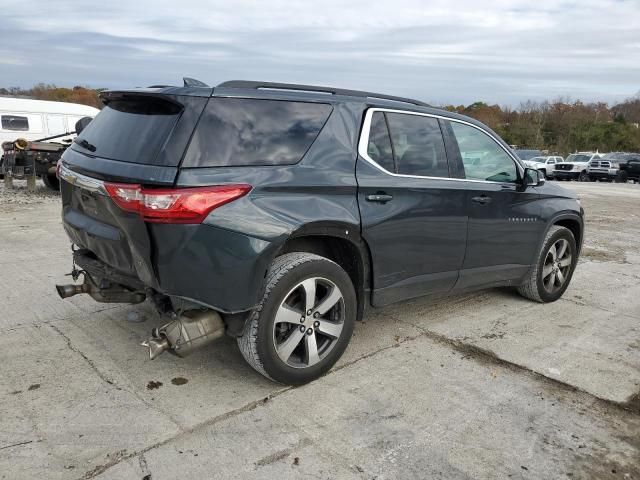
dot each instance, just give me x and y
(544, 164)
(576, 166)
(629, 168)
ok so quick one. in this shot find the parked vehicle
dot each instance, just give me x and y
(23, 159)
(605, 168)
(35, 119)
(545, 164)
(575, 167)
(628, 166)
(278, 213)
(25, 120)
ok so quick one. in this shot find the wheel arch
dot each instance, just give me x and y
(341, 243)
(571, 221)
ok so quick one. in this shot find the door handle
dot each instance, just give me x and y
(379, 197)
(482, 199)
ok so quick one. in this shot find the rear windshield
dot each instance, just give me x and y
(242, 132)
(131, 129)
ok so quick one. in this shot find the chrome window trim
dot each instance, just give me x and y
(82, 181)
(363, 143)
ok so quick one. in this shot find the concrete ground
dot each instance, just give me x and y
(486, 385)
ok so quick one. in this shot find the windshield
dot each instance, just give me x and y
(578, 158)
(527, 154)
(538, 159)
(620, 156)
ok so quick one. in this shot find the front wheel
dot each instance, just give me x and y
(304, 321)
(51, 181)
(583, 177)
(557, 260)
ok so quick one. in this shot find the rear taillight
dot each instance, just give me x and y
(173, 205)
(58, 167)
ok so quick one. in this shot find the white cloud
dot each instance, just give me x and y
(499, 51)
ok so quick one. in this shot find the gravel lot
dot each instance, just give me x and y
(486, 385)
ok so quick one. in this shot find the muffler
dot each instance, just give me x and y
(111, 293)
(192, 330)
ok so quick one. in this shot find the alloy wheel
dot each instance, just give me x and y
(557, 266)
(308, 322)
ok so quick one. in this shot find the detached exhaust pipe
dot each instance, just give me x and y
(112, 293)
(191, 331)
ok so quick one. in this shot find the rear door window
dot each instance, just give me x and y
(16, 123)
(130, 129)
(254, 132)
(418, 145)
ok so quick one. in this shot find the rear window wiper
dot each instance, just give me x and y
(84, 144)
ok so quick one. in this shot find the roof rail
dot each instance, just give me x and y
(313, 88)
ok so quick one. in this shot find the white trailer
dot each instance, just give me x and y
(35, 119)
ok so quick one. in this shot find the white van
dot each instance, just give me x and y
(35, 119)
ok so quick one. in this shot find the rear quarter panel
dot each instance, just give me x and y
(315, 196)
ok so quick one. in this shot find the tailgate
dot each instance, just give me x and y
(137, 138)
(93, 221)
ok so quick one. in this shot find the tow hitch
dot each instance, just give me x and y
(107, 293)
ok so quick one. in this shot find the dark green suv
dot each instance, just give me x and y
(279, 213)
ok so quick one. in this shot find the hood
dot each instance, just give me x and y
(552, 189)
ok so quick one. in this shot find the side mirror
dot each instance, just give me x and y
(533, 177)
(82, 124)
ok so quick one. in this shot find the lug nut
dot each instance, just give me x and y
(310, 331)
(309, 312)
(301, 319)
(316, 324)
(302, 328)
(316, 315)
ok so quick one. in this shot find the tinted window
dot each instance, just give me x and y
(379, 148)
(418, 145)
(482, 157)
(14, 122)
(130, 130)
(236, 131)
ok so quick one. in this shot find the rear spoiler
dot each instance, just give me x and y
(160, 92)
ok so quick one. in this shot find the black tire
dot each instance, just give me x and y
(583, 177)
(622, 177)
(533, 287)
(51, 181)
(257, 343)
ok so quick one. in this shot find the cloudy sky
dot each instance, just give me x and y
(502, 51)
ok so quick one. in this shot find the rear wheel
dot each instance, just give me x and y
(51, 181)
(304, 321)
(550, 277)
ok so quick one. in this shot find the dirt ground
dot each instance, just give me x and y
(486, 385)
